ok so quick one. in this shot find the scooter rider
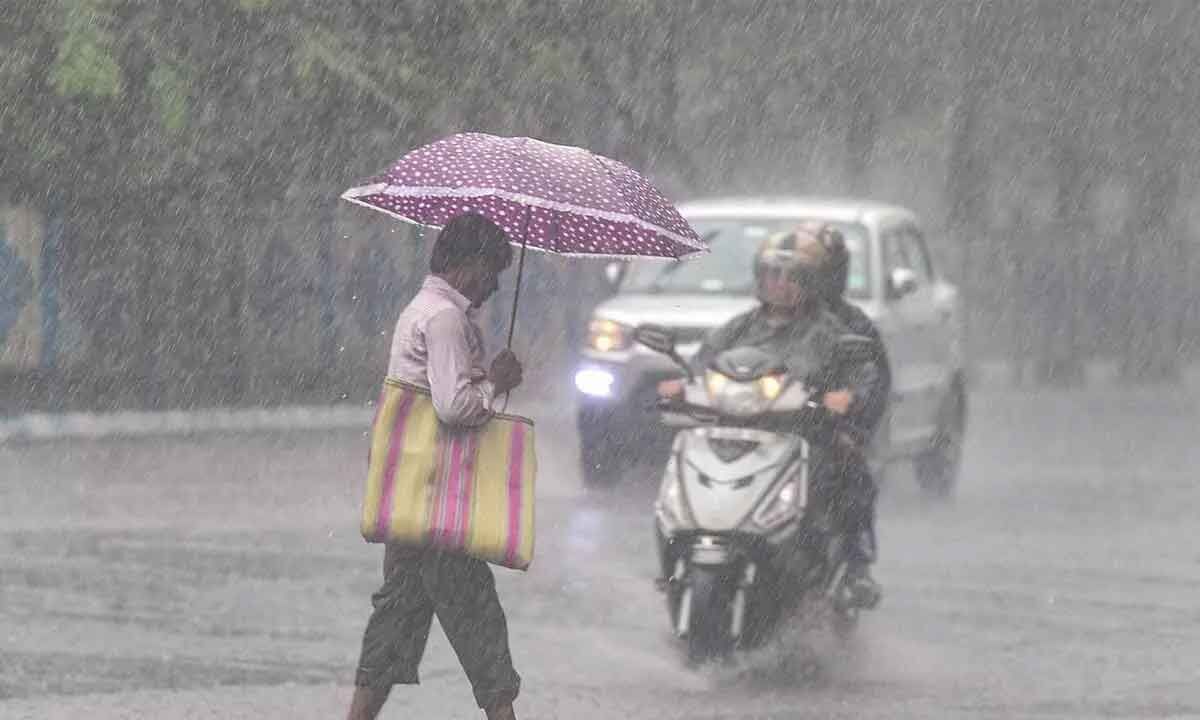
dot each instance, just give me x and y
(835, 275)
(793, 322)
(870, 411)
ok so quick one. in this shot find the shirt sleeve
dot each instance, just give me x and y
(871, 401)
(457, 400)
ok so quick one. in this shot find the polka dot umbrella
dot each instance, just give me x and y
(553, 198)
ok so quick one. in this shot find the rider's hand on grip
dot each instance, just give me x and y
(838, 401)
(670, 388)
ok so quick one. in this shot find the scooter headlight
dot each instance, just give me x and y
(770, 387)
(743, 398)
(715, 383)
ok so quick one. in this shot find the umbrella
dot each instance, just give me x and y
(546, 197)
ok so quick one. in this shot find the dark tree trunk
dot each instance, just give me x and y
(1060, 350)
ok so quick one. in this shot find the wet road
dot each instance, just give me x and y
(223, 577)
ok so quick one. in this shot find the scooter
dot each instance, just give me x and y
(742, 549)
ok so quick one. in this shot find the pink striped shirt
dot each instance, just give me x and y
(438, 345)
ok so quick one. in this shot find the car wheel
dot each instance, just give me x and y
(937, 468)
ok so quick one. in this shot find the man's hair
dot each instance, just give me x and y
(467, 237)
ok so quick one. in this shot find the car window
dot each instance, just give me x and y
(894, 250)
(728, 267)
(918, 255)
(903, 248)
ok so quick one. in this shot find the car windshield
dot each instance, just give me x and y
(728, 268)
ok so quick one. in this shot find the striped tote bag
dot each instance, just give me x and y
(464, 490)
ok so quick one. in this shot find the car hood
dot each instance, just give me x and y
(674, 311)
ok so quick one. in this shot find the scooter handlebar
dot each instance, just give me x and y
(812, 420)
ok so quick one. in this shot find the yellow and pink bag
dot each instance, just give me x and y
(468, 490)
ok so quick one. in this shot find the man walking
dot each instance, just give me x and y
(438, 345)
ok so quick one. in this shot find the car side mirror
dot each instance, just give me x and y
(902, 281)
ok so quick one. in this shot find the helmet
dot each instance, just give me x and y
(836, 270)
(798, 255)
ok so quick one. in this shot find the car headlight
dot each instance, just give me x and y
(608, 335)
(595, 382)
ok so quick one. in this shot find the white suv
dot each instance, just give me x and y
(893, 278)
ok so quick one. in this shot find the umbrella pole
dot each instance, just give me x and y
(512, 321)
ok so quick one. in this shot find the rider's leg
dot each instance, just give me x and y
(860, 526)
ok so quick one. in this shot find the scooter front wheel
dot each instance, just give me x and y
(709, 635)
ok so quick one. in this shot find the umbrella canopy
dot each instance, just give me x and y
(553, 198)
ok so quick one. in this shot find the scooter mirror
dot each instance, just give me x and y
(661, 340)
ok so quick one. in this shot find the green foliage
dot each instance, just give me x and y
(257, 112)
(86, 64)
(169, 92)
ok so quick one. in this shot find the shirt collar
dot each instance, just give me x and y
(446, 290)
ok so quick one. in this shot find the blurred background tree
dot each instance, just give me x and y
(186, 158)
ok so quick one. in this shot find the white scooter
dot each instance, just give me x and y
(742, 547)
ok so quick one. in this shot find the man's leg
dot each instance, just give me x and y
(463, 592)
(860, 527)
(503, 711)
(396, 633)
(367, 702)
